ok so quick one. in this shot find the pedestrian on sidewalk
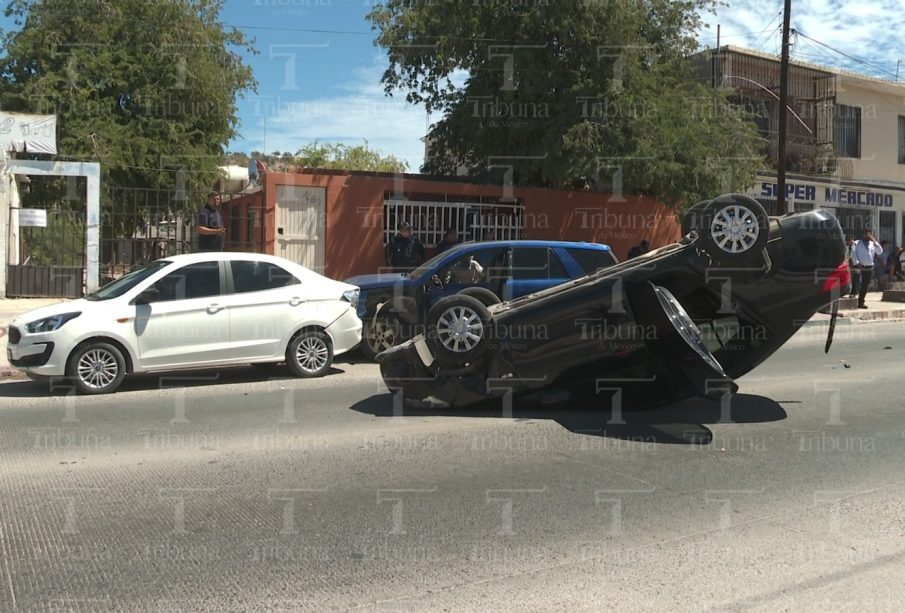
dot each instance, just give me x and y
(864, 253)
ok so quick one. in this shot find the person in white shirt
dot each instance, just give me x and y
(863, 254)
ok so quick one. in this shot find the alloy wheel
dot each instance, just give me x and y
(735, 229)
(460, 329)
(312, 354)
(97, 368)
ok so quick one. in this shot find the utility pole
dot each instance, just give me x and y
(783, 103)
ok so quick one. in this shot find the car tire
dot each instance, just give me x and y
(733, 228)
(96, 368)
(379, 334)
(690, 220)
(458, 330)
(309, 354)
(487, 297)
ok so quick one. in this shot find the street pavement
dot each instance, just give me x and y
(228, 491)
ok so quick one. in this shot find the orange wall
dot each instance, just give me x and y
(354, 215)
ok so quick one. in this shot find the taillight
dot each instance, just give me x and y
(839, 278)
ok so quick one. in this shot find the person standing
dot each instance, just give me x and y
(450, 240)
(211, 231)
(864, 253)
(404, 252)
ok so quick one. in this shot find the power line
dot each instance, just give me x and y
(769, 27)
(847, 55)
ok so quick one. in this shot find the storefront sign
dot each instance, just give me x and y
(28, 133)
(822, 194)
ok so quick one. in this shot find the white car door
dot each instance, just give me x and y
(266, 301)
(186, 321)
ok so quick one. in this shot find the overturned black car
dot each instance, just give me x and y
(680, 321)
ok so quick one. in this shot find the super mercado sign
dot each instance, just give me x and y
(821, 195)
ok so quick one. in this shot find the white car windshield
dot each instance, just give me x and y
(122, 285)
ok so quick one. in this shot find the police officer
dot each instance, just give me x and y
(404, 252)
(211, 231)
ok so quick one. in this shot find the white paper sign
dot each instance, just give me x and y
(29, 133)
(33, 217)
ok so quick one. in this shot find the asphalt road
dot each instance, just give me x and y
(237, 492)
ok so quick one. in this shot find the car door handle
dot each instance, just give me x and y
(295, 301)
(214, 308)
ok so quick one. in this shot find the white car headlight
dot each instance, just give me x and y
(49, 324)
(351, 296)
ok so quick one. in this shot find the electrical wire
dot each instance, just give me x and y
(846, 55)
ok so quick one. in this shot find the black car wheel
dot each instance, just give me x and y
(379, 334)
(690, 219)
(487, 297)
(458, 328)
(96, 368)
(309, 354)
(734, 227)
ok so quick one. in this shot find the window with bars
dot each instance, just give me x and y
(848, 131)
(901, 139)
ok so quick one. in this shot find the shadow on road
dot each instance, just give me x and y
(679, 423)
(26, 388)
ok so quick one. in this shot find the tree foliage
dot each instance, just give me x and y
(347, 157)
(326, 155)
(551, 92)
(147, 89)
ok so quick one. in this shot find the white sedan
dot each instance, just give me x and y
(191, 311)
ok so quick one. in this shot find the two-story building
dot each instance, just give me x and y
(845, 139)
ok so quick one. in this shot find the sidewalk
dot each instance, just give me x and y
(877, 311)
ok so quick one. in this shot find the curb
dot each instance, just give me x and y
(843, 320)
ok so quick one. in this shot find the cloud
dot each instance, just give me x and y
(869, 30)
(357, 111)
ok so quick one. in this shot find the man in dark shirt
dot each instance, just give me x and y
(451, 240)
(404, 251)
(211, 233)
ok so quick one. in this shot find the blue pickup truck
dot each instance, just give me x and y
(392, 306)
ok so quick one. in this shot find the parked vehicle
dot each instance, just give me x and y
(393, 306)
(683, 320)
(191, 311)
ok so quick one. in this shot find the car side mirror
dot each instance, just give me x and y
(152, 294)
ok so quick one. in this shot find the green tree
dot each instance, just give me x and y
(593, 90)
(347, 157)
(147, 89)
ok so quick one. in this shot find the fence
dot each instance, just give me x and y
(474, 221)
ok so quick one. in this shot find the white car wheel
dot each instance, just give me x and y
(309, 354)
(97, 368)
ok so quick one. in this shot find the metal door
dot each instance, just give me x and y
(300, 225)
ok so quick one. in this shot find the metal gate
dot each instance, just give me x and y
(46, 260)
(140, 225)
(300, 224)
(474, 221)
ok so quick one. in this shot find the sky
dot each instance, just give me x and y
(318, 70)
(333, 91)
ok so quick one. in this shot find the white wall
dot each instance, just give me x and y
(881, 105)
